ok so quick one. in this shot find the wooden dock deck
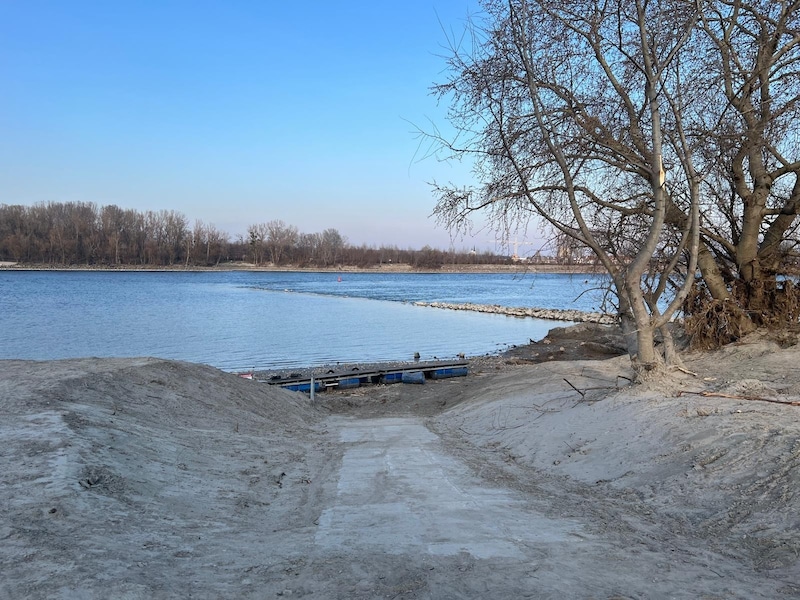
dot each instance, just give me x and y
(354, 377)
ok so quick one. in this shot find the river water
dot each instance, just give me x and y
(237, 320)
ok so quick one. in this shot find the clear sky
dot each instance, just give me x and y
(234, 112)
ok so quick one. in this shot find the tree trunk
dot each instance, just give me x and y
(671, 356)
(648, 362)
(711, 274)
(638, 332)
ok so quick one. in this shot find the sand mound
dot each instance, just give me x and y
(722, 467)
(160, 392)
(105, 458)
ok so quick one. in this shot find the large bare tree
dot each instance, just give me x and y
(574, 111)
(749, 87)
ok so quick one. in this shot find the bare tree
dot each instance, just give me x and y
(112, 227)
(216, 245)
(175, 231)
(61, 242)
(84, 223)
(136, 236)
(749, 120)
(572, 110)
(308, 246)
(280, 238)
(331, 245)
(15, 232)
(256, 239)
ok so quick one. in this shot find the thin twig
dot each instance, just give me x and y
(601, 387)
(583, 394)
(735, 397)
(682, 370)
(590, 389)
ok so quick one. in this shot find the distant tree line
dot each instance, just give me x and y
(81, 233)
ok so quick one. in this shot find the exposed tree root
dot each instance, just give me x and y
(768, 304)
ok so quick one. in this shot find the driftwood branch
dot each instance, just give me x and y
(736, 397)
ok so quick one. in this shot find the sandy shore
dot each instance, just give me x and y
(532, 477)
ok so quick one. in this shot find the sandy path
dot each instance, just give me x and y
(398, 492)
(402, 501)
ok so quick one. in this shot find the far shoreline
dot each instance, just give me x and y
(516, 268)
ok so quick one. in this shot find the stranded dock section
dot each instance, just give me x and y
(354, 377)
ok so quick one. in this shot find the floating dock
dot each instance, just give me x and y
(354, 377)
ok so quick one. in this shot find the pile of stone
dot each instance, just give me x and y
(554, 314)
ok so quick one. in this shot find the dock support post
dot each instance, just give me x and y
(312, 388)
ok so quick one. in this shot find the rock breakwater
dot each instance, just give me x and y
(536, 313)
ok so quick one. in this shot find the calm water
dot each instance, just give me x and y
(242, 320)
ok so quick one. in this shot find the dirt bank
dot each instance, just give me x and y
(156, 479)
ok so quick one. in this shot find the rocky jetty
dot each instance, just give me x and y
(553, 314)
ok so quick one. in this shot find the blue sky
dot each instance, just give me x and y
(232, 112)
